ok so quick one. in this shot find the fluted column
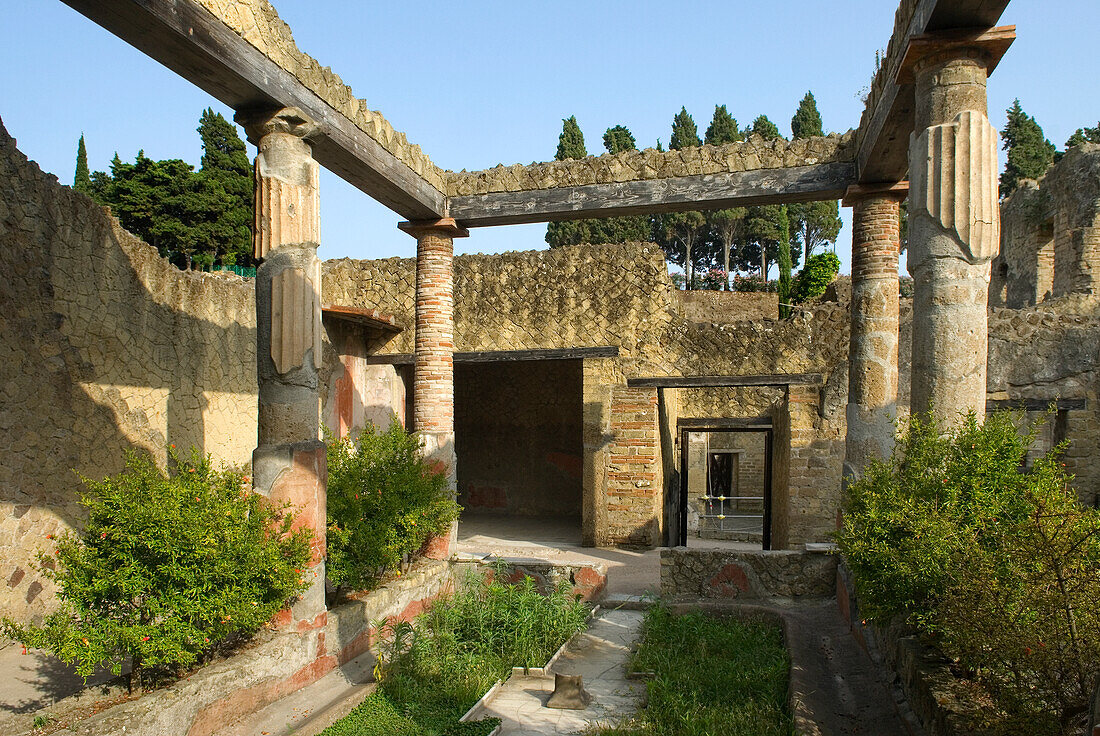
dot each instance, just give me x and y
(289, 462)
(873, 339)
(954, 228)
(433, 371)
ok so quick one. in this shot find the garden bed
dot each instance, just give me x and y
(432, 672)
(710, 674)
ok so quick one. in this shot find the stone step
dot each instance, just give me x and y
(625, 601)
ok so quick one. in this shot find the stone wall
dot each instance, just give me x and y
(518, 437)
(104, 348)
(726, 307)
(1050, 236)
(703, 574)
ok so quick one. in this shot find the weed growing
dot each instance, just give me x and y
(431, 672)
(711, 675)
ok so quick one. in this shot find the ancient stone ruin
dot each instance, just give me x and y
(575, 382)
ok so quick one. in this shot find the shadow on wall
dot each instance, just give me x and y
(104, 348)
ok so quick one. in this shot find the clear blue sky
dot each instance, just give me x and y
(481, 83)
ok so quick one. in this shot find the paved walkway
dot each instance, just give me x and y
(600, 656)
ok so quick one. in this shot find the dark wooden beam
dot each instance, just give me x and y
(187, 39)
(504, 356)
(884, 148)
(706, 191)
(1036, 404)
(753, 424)
(769, 380)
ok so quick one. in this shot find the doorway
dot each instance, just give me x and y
(725, 492)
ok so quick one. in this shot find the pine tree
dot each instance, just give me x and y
(765, 128)
(1084, 135)
(1029, 153)
(570, 146)
(618, 139)
(727, 225)
(806, 122)
(82, 180)
(722, 128)
(783, 257)
(684, 132)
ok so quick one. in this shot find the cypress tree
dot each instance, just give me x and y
(783, 258)
(684, 132)
(571, 141)
(227, 183)
(722, 128)
(1084, 135)
(1029, 153)
(812, 224)
(807, 120)
(570, 146)
(82, 179)
(765, 128)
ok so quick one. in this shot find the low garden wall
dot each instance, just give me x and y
(271, 667)
(700, 574)
(585, 579)
(945, 704)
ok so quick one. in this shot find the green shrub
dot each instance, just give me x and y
(167, 567)
(818, 272)
(996, 561)
(384, 501)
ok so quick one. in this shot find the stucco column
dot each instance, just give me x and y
(433, 370)
(954, 228)
(873, 339)
(289, 461)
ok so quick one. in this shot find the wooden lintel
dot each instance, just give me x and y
(856, 192)
(702, 192)
(504, 356)
(994, 42)
(749, 424)
(189, 40)
(1036, 404)
(777, 380)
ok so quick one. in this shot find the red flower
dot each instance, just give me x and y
(103, 535)
(145, 638)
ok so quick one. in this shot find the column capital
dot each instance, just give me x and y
(258, 122)
(445, 226)
(891, 190)
(988, 44)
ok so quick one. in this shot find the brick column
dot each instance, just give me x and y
(873, 341)
(289, 461)
(433, 372)
(954, 222)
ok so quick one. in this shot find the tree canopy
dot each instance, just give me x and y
(618, 139)
(1029, 153)
(191, 217)
(765, 128)
(1084, 135)
(807, 120)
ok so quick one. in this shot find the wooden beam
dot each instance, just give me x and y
(187, 39)
(752, 424)
(504, 356)
(884, 148)
(1036, 404)
(776, 380)
(706, 191)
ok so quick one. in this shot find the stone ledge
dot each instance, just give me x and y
(702, 574)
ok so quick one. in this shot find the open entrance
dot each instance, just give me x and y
(725, 486)
(519, 447)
